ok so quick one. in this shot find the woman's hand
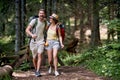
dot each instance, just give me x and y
(46, 43)
(62, 46)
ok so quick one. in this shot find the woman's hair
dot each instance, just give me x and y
(56, 21)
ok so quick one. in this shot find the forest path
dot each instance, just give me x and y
(67, 73)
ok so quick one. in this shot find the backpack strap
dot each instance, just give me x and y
(57, 28)
(45, 31)
(36, 22)
(34, 27)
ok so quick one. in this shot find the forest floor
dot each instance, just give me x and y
(66, 73)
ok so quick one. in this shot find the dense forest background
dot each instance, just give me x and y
(78, 16)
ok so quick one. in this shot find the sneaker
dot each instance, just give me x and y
(50, 70)
(37, 74)
(57, 73)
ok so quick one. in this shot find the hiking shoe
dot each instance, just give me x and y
(57, 73)
(37, 74)
(50, 70)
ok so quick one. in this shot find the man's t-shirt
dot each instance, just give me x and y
(38, 30)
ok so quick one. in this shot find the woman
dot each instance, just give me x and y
(54, 41)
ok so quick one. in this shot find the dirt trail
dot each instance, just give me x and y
(67, 73)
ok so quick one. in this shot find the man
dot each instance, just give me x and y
(37, 40)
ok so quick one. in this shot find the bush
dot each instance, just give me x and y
(103, 60)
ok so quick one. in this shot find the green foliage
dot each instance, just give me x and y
(6, 44)
(63, 54)
(75, 60)
(113, 24)
(6, 77)
(24, 66)
(103, 60)
(108, 63)
(104, 13)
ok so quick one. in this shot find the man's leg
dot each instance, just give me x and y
(34, 54)
(39, 61)
(35, 63)
(38, 65)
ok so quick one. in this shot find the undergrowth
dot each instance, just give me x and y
(104, 60)
(6, 77)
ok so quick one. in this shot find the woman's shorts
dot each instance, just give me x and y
(52, 44)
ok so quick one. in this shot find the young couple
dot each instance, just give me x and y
(37, 42)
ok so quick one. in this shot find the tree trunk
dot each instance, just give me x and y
(81, 28)
(17, 40)
(118, 16)
(23, 11)
(54, 2)
(71, 47)
(90, 6)
(95, 35)
(5, 70)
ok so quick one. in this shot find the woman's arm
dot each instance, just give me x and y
(60, 38)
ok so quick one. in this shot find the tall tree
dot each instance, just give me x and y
(118, 16)
(95, 34)
(54, 8)
(17, 40)
(23, 12)
(89, 15)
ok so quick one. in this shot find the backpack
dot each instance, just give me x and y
(32, 17)
(62, 30)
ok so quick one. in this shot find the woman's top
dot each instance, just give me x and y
(51, 34)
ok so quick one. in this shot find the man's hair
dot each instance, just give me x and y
(42, 10)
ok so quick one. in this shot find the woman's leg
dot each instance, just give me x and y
(50, 60)
(55, 52)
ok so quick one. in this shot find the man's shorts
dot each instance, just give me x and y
(52, 44)
(36, 48)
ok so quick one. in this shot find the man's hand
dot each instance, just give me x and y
(34, 36)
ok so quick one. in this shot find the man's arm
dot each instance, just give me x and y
(29, 32)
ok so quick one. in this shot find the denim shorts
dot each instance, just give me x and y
(52, 44)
